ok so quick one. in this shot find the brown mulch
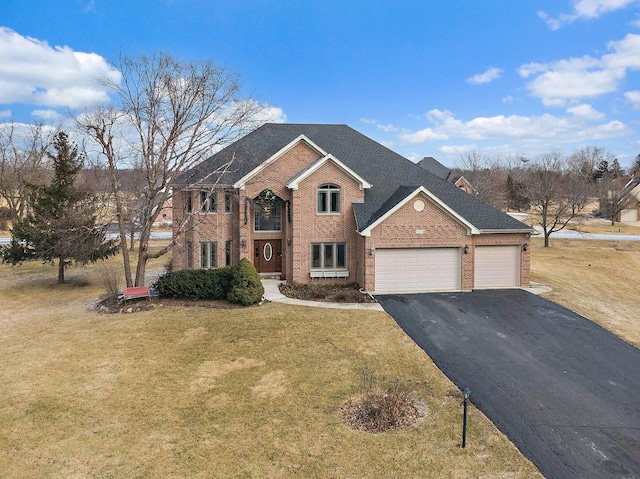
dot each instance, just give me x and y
(330, 292)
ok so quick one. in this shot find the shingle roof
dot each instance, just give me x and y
(386, 170)
(432, 165)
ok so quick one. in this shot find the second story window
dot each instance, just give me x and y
(268, 218)
(329, 199)
(208, 201)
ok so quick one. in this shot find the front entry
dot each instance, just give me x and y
(267, 256)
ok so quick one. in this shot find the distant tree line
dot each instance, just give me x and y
(555, 188)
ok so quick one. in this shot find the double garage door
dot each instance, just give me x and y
(439, 269)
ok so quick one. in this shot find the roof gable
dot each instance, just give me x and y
(401, 198)
(295, 181)
(262, 166)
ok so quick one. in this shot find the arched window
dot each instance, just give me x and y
(329, 198)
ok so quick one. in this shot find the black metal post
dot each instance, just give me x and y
(466, 392)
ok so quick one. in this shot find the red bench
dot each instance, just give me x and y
(136, 292)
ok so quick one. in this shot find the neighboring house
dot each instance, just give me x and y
(631, 212)
(319, 202)
(433, 166)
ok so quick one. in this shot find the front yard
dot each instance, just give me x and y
(197, 392)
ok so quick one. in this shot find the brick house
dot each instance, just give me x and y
(319, 202)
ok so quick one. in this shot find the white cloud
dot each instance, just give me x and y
(389, 128)
(457, 149)
(584, 10)
(586, 111)
(586, 77)
(5, 113)
(633, 97)
(271, 114)
(486, 77)
(46, 114)
(581, 124)
(34, 73)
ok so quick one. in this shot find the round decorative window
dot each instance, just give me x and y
(418, 205)
(268, 252)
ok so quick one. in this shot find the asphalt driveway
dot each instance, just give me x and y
(565, 391)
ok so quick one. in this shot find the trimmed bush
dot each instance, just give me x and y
(195, 284)
(246, 287)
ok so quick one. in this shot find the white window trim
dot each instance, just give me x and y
(327, 189)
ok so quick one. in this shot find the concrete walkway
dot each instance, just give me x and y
(272, 293)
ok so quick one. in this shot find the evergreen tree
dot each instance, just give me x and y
(517, 198)
(61, 223)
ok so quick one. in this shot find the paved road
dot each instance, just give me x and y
(565, 391)
(572, 234)
(162, 234)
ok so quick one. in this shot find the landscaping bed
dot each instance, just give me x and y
(337, 292)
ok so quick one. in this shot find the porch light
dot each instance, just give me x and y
(371, 250)
(466, 249)
(525, 247)
(243, 243)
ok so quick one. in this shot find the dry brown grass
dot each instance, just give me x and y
(598, 279)
(195, 392)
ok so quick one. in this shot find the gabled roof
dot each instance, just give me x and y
(295, 181)
(401, 197)
(630, 187)
(379, 166)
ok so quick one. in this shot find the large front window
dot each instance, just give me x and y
(329, 199)
(328, 255)
(268, 217)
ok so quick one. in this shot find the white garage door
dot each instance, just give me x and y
(417, 269)
(497, 267)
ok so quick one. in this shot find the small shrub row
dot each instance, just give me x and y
(238, 284)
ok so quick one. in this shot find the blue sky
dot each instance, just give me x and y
(437, 77)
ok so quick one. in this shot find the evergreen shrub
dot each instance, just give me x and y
(195, 284)
(238, 284)
(246, 287)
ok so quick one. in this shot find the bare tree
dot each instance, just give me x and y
(612, 196)
(169, 116)
(590, 161)
(487, 175)
(557, 193)
(23, 161)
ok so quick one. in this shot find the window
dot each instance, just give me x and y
(328, 255)
(208, 201)
(208, 255)
(227, 201)
(227, 253)
(189, 201)
(329, 199)
(268, 218)
(189, 255)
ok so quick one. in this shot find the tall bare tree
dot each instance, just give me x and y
(168, 116)
(557, 193)
(23, 160)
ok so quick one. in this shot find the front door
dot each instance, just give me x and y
(268, 256)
